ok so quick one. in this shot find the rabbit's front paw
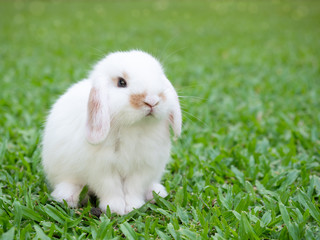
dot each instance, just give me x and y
(133, 202)
(158, 189)
(68, 192)
(116, 205)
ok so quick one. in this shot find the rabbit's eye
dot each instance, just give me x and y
(122, 83)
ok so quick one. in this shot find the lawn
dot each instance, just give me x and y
(247, 165)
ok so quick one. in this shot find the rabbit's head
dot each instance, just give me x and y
(127, 88)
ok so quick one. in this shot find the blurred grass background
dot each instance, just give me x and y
(46, 45)
(248, 76)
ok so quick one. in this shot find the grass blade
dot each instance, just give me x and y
(306, 202)
(9, 235)
(128, 231)
(292, 228)
(162, 235)
(40, 234)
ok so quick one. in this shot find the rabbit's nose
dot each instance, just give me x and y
(151, 101)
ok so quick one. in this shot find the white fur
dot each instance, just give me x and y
(121, 153)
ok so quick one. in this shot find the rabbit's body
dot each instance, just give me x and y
(122, 166)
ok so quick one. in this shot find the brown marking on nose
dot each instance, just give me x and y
(162, 96)
(137, 100)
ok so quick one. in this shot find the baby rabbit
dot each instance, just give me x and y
(111, 132)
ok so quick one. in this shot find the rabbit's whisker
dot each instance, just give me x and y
(194, 117)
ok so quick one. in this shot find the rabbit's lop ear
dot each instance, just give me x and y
(175, 116)
(98, 116)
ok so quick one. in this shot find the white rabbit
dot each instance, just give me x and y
(111, 132)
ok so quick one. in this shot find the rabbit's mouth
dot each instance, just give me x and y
(150, 113)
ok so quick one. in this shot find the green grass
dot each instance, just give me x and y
(248, 163)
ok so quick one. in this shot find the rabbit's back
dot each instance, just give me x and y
(64, 137)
